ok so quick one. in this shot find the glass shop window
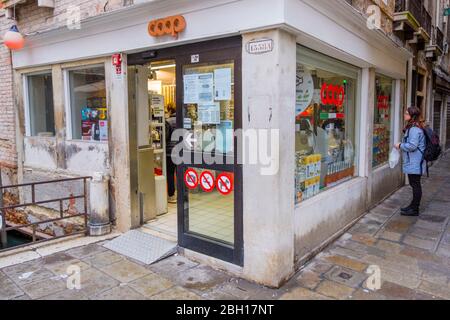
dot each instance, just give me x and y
(89, 109)
(208, 106)
(40, 105)
(382, 129)
(326, 93)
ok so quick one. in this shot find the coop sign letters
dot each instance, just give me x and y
(332, 95)
(167, 26)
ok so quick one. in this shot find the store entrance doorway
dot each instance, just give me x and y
(202, 82)
(162, 124)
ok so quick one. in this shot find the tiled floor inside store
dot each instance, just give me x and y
(211, 215)
(166, 223)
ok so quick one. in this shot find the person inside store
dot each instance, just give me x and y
(413, 148)
(171, 123)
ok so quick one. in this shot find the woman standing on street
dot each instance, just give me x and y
(414, 165)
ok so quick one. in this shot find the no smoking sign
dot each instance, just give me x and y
(207, 181)
(191, 179)
(225, 184)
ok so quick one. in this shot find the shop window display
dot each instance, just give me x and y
(40, 105)
(325, 123)
(382, 130)
(88, 104)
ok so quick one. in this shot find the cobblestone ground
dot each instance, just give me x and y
(412, 254)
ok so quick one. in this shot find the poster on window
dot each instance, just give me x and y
(222, 84)
(199, 88)
(190, 82)
(103, 128)
(209, 113)
(87, 130)
(224, 137)
(157, 105)
(206, 88)
(304, 89)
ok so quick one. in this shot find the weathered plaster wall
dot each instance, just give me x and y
(124, 202)
(385, 181)
(319, 218)
(40, 153)
(268, 97)
(86, 158)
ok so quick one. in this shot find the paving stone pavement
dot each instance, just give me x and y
(412, 256)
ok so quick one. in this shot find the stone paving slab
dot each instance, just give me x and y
(86, 251)
(94, 282)
(125, 271)
(150, 285)
(176, 293)
(8, 289)
(411, 254)
(103, 259)
(66, 294)
(119, 293)
(39, 289)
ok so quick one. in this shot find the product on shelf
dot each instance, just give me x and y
(338, 171)
(94, 120)
(307, 175)
(380, 144)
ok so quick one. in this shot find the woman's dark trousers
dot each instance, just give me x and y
(415, 183)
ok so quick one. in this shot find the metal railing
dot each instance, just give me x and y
(413, 6)
(448, 32)
(4, 228)
(418, 11)
(439, 38)
(426, 21)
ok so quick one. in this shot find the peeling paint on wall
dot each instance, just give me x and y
(40, 153)
(86, 158)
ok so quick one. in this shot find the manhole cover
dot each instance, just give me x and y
(345, 276)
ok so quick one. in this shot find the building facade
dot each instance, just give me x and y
(326, 81)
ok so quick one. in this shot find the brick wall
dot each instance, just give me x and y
(8, 155)
(387, 12)
(31, 19)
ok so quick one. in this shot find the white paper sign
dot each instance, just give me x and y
(190, 88)
(198, 88)
(305, 89)
(222, 81)
(224, 137)
(195, 58)
(209, 113)
(187, 123)
(158, 105)
(206, 88)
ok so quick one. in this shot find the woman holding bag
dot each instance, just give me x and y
(414, 165)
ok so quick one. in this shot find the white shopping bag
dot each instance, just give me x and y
(394, 158)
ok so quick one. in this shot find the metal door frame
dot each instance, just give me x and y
(214, 51)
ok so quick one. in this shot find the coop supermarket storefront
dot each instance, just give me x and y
(336, 110)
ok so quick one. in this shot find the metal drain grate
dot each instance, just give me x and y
(142, 247)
